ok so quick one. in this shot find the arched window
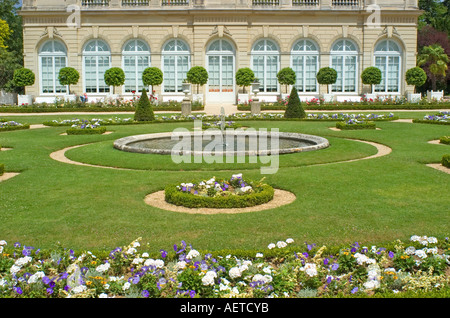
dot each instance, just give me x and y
(52, 57)
(135, 59)
(96, 60)
(265, 64)
(176, 61)
(344, 59)
(305, 63)
(220, 61)
(388, 59)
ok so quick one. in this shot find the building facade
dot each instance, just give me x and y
(222, 36)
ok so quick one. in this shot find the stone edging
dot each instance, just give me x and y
(8, 175)
(280, 198)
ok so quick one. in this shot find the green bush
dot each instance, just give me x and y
(197, 75)
(23, 77)
(294, 107)
(244, 77)
(144, 110)
(176, 197)
(326, 76)
(354, 126)
(446, 161)
(114, 77)
(152, 76)
(2, 169)
(371, 76)
(416, 76)
(445, 140)
(286, 76)
(68, 76)
(86, 131)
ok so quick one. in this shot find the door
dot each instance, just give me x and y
(221, 68)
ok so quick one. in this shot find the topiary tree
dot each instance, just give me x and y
(197, 75)
(294, 107)
(326, 76)
(416, 76)
(286, 76)
(68, 76)
(144, 110)
(23, 77)
(152, 76)
(244, 77)
(115, 76)
(371, 76)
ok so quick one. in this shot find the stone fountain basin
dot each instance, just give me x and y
(164, 142)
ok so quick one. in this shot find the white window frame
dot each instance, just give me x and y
(345, 54)
(387, 54)
(135, 55)
(220, 54)
(52, 55)
(95, 54)
(175, 54)
(265, 54)
(305, 53)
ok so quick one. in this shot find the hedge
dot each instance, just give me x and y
(86, 131)
(433, 122)
(364, 125)
(188, 200)
(446, 161)
(2, 169)
(9, 128)
(445, 140)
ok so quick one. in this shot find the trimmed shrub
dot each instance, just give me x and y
(114, 77)
(294, 107)
(446, 161)
(68, 76)
(144, 110)
(416, 76)
(371, 76)
(152, 76)
(86, 131)
(176, 197)
(23, 77)
(445, 140)
(2, 169)
(354, 126)
(244, 77)
(197, 75)
(326, 76)
(286, 76)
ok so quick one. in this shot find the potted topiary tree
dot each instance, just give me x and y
(114, 77)
(294, 107)
(415, 76)
(244, 77)
(152, 76)
(68, 76)
(144, 110)
(24, 77)
(286, 76)
(197, 75)
(371, 76)
(327, 76)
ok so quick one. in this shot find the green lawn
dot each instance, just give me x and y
(373, 201)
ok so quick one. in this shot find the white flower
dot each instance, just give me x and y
(126, 286)
(180, 265)
(259, 255)
(3, 242)
(421, 254)
(35, 277)
(410, 250)
(271, 245)
(371, 284)
(138, 260)
(23, 260)
(208, 279)
(131, 250)
(235, 272)
(79, 289)
(289, 241)
(145, 255)
(14, 269)
(103, 268)
(281, 244)
(310, 269)
(103, 295)
(192, 254)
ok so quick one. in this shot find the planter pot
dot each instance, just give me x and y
(255, 87)
(414, 98)
(243, 98)
(438, 95)
(24, 100)
(197, 98)
(255, 108)
(328, 98)
(186, 87)
(70, 98)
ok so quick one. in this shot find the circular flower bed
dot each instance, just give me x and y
(220, 193)
(86, 128)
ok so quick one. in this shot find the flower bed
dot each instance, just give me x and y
(445, 140)
(217, 125)
(94, 121)
(353, 124)
(281, 270)
(359, 117)
(442, 118)
(86, 128)
(219, 193)
(446, 161)
(12, 125)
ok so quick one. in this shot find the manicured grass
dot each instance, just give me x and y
(377, 200)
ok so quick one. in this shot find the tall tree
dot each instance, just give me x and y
(435, 56)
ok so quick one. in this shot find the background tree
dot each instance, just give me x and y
(144, 109)
(286, 76)
(371, 76)
(197, 75)
(437, 59)
(244, 77)
(24, 77)
(5, 32)
(294, 108)
(68, 76)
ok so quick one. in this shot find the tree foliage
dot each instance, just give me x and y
(68, 76)
(326, 76)
(286, 76)
(197, 75)
(144, 109)
(435, 56)
(244, 77)
(294, 108)
(114, 77)
(24, 77)
(416, 76)
(152, 76)
(371, 76)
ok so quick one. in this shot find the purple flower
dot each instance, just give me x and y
(335, 266)
(18, 290)
(325, 261)
(50, 291)
(145, 294)
(391, 254)
(163, 253)
(354, 290)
